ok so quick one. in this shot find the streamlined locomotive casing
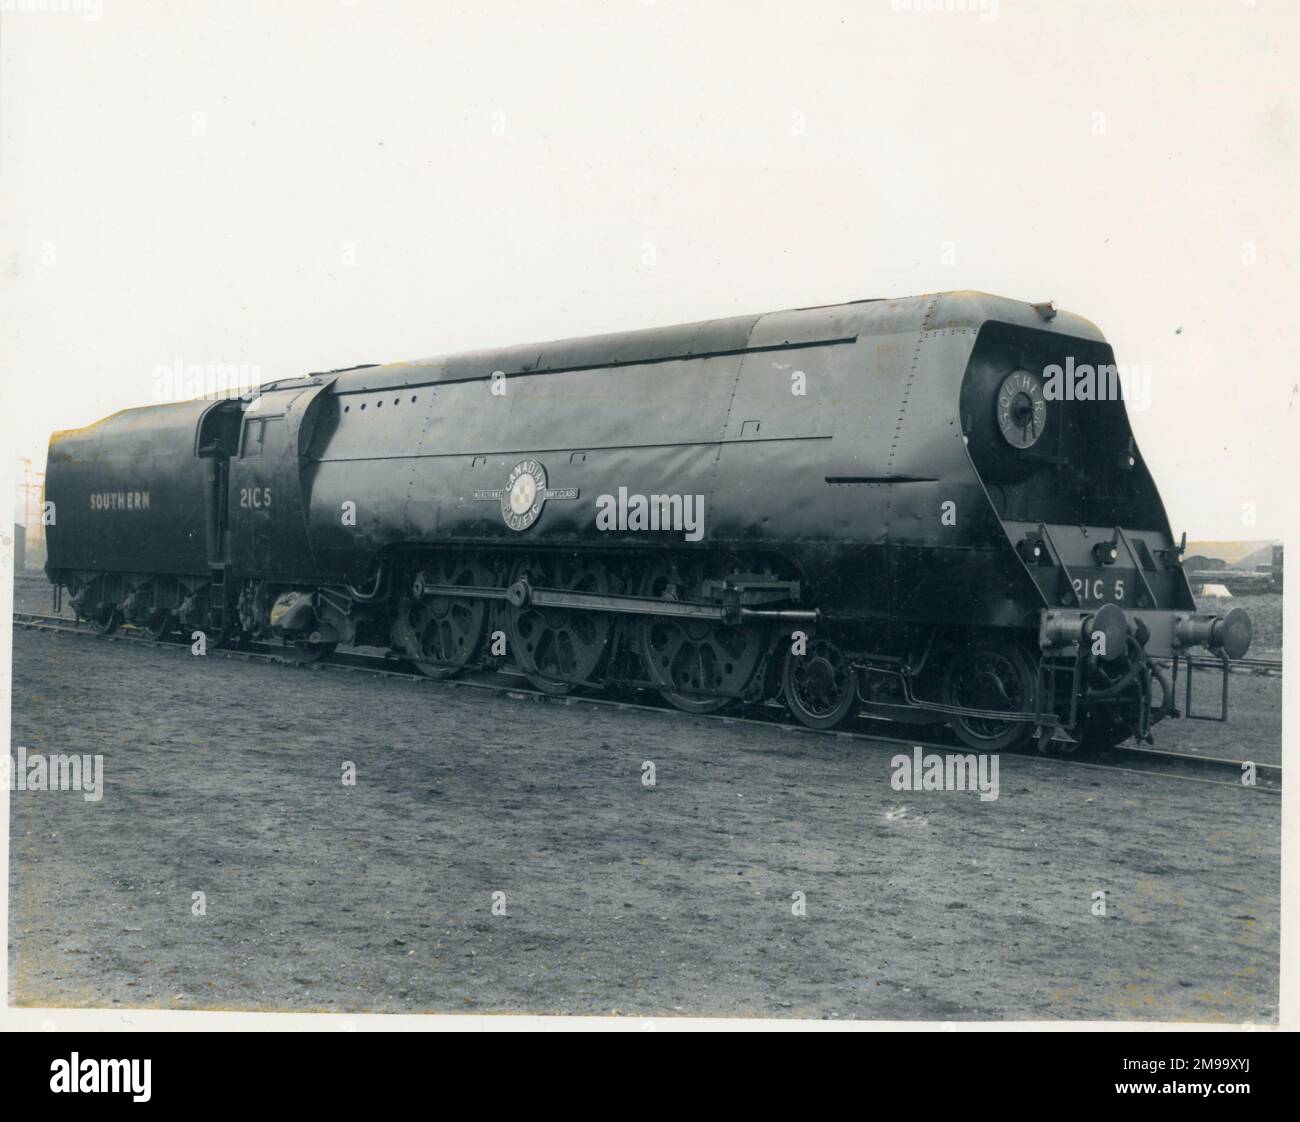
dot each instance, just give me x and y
(892, 471)
(847, 480)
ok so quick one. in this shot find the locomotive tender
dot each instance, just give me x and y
(870, 507)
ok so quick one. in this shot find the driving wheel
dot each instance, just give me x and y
(996, 677)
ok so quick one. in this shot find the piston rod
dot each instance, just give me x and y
(522, 593)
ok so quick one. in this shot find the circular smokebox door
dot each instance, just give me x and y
(1022, 410)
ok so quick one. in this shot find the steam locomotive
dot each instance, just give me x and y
(877, 508)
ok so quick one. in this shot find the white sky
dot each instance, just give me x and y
(303, 185)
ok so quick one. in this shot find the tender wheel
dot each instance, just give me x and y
(556, 648)
(160, 625)
(224, 638)
(105, 619)
(992, 676)
(820, 686)
(442, 634)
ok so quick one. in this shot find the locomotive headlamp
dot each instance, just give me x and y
(1105, 553)
(1032, 551)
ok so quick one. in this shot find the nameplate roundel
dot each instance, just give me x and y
(524, 494)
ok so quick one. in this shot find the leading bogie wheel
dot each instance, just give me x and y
(820, 685)
(995, 676)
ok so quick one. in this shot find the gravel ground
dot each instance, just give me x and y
(224, 777)
(1253, 730)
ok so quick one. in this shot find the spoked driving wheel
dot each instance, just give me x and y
(820, 685)
(559, 648)
(442, 634)
(699, 666)
(995, 677)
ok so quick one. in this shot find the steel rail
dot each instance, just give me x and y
(1155, 763)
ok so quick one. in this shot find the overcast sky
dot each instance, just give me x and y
(308, 184)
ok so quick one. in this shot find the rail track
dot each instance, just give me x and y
(1188, 766)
